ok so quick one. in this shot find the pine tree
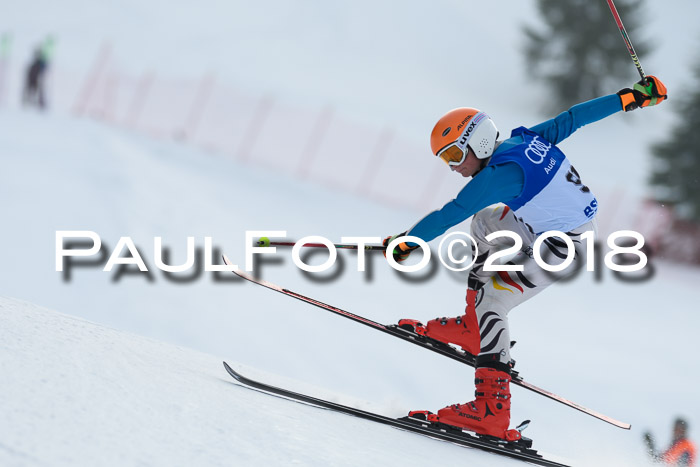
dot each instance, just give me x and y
(579, 53)
(676, 161)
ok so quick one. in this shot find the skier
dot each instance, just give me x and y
(34, 93)
(682, 451)
(541, 191)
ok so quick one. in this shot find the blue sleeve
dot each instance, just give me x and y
(566, 123)
(494, 184)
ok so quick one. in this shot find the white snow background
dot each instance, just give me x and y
(76, 393)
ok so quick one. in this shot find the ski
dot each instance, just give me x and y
(427, 343)
(521, 449)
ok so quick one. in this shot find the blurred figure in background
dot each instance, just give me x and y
(682, 451)
(34, 92)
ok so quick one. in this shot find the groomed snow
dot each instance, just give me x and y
(77, 393)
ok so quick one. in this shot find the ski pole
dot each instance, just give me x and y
(627, 41)
(264, 241)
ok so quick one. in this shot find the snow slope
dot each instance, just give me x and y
(617, 347)
(84, 394)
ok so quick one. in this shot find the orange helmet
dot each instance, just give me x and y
(460, 129)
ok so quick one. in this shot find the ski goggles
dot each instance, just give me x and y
(455, 153)
(452, 154)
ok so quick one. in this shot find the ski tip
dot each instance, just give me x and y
(235, 375)
(623, 425)
(617, 423)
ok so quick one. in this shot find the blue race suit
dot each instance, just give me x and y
(541, 190)
(504, 182)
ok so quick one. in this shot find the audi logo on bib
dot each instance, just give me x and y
(538, 149)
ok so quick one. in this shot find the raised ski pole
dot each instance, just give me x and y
(626, 38)
(264, 241)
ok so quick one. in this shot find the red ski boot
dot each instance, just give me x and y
(489, 413)
(462, 330)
